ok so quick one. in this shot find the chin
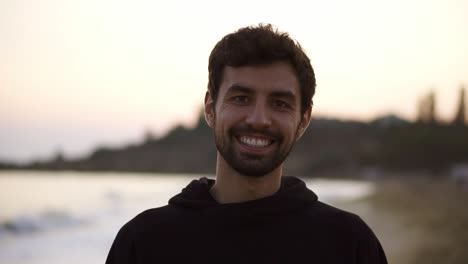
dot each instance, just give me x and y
(253, 170)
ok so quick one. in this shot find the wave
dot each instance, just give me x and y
(44, 221)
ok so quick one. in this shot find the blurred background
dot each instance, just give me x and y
(101, 101)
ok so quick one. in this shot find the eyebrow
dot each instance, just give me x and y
(287, 95)
(240, 88)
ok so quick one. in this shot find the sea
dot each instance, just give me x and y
(73, 217)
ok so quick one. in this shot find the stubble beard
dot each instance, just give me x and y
(251, 165)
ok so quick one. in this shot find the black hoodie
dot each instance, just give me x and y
(291, 226)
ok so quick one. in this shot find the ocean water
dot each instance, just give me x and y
(71, 217)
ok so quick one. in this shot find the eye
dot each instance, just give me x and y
(282, 105)
(240, 99)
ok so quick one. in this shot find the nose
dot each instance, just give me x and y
(259, 117)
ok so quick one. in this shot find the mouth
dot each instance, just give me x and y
(255, 141)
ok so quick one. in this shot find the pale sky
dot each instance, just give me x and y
(75, 74)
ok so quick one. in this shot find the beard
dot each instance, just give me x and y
(251, 164)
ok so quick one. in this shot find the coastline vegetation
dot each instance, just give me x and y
(329, 147)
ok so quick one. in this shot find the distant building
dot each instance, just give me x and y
(371, 173)
(459, 174)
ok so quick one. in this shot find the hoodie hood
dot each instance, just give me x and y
(292, 195)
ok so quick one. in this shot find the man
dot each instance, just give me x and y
(258, 103)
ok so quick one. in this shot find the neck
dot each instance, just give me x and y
(233, 187)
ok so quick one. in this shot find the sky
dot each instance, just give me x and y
(75, 75)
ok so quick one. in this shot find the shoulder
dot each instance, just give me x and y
(338, 220)
(123, 249)
(149, 218)
(349, 228)
(327, 212)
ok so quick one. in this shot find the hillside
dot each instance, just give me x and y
(328, 146)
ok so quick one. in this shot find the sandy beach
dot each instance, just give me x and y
(418, 220)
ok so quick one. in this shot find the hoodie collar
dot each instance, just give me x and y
(292, 195)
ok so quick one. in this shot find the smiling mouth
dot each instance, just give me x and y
(255, 142)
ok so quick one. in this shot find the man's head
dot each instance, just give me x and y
(259, 98)
(260, 45)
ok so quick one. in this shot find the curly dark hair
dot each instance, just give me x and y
(259, 45)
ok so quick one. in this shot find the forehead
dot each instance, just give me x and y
(275, 77)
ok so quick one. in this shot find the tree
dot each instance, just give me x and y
(432, 110)
(460, 116)
(427, 109)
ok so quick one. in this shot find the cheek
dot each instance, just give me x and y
(291, 129)
(232, 115)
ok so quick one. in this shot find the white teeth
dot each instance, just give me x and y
(255, 142)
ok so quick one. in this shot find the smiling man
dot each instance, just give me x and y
(258, 104)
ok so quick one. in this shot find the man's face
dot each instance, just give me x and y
(256, 117)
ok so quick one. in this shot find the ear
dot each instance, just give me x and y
(209, 110)
(305, 121)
